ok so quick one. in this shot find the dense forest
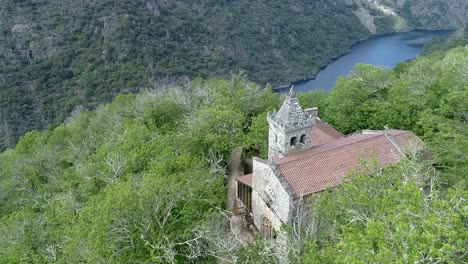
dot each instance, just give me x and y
(459, 38)
(58, 57)
(142, 179)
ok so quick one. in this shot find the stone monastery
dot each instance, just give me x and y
(305, 156)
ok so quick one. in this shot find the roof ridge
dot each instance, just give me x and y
(328, 125)
(395, 141)
(329, 149)
(315, 170)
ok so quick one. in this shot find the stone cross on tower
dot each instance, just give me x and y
(290, 127)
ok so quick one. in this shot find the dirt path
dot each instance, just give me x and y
(237, 222)
(234, 172)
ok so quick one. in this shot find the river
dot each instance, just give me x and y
(387, 50)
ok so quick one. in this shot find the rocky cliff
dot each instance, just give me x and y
(398, 15)
(439, 14)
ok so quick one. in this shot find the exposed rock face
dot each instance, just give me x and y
(366, 19)
(74, 113)
(407, 14)
(370, 12)
(20, 28)
(441, 14)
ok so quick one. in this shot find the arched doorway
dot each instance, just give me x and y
(267, 228)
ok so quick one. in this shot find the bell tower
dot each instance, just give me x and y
(290, 128)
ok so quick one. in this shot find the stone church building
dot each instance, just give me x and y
(305, 156)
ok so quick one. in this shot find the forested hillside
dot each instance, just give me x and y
(415, 212)
(459, 38)
(133, 181)
(142, 179)
(57, 56)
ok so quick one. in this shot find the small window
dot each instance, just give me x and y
(293, 141)
(303, 139)
(276, 138)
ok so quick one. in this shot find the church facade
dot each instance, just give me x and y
(306, 156)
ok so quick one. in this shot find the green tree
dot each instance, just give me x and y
(397, 215)
(354, 102)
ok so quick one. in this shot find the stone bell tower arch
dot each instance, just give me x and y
(290, 128)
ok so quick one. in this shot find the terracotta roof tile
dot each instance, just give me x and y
(323, 133)
(325, 165)
(245, 179)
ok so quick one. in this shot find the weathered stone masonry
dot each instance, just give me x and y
(306, 156)
(290, 128)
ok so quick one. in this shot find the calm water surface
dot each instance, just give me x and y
(388, 51)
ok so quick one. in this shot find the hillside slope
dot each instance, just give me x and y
(441, 14)
(142, 179)
(56, 55)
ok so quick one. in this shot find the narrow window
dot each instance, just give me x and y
(276, 138)
(293, 141)
(303, 139)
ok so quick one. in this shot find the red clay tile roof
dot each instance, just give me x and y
(246, 179)
(325, 165)
(323, 133)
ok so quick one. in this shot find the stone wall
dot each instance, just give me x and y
(260, 209)
(279, 140)
(276, 141)
(290, 122)
(270, 196)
